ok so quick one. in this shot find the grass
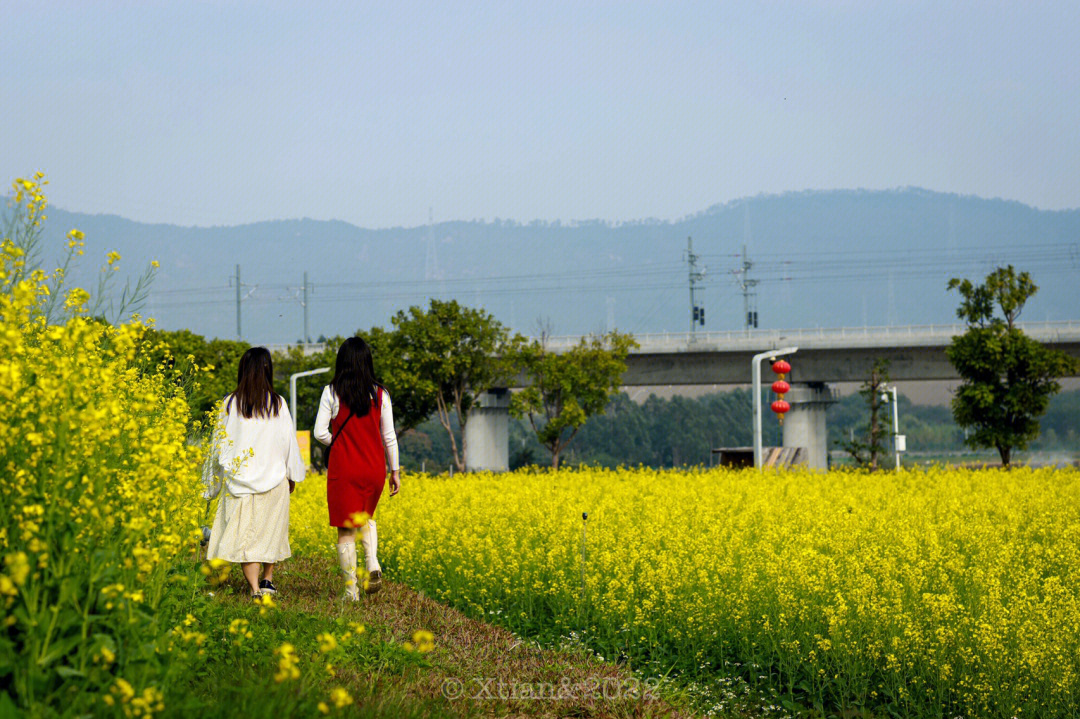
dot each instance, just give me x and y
(475, 668)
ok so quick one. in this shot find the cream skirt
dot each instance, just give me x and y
(252, 527)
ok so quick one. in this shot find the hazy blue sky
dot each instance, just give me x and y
(222, 113)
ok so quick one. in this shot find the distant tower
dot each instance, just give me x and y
(742, 276)
(952, 226)
(697, 313)
(431, 257)
(747, 285)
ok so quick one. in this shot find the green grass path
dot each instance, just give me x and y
(475, 669)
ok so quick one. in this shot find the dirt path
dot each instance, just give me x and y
(476, 669)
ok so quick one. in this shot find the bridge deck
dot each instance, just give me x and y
(824, 337)
(843, 354)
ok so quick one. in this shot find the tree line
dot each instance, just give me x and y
(436, 361)
(684, 431)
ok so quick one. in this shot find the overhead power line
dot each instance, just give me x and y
(797, 266)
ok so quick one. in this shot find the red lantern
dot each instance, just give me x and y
(781, 368)
(780, 407)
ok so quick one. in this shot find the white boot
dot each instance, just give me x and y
(346, 552)
(369, 538)
(371, 548)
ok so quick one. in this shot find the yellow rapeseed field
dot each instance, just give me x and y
(98, 498)
(943, 592)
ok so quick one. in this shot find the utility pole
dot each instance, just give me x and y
(891, 317)
(307, 335)
(301, 294)
(240, 298)
(239, 335)
(899, 440)
(431, 258)
(742, 278)
(697, 314)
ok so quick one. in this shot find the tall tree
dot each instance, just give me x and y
(567, 388)
(867, 448)
(412, 392)
(457, 353)
(215, 359)
(1008, 378)
(308, 389)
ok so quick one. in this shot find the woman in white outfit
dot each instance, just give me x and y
(257, 456)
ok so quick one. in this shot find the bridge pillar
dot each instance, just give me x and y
(804, 425)
(487, 433)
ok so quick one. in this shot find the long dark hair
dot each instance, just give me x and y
(354, 376)
(254, 394)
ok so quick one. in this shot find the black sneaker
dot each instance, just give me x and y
(267, 587)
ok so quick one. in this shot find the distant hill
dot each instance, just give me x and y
(829, 258)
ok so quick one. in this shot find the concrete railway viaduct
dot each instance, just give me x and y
(723, 358)
(825, 356)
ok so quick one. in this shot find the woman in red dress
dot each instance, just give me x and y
(356, 421)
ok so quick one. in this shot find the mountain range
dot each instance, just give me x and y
(811, 259)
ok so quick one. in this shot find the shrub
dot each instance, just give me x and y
(96, 503)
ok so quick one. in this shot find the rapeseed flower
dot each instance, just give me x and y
(941, 590)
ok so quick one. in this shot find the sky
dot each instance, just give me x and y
(222, 113)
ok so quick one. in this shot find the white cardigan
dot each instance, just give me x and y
(328, 409)
(253, 455)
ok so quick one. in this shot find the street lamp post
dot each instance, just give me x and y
(292, 389)
(895, 421)
(755, 370)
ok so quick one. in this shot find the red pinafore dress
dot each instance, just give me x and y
(356, 470)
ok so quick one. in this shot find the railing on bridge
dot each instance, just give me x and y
(914, 335)
(806, 337)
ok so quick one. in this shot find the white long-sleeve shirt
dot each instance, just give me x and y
(328, 409)
(254, 455)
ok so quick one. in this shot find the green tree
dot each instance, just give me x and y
(412, 395)
(866, 448)
(412, 392)
(451, 354)
(567, 388)
(1007, 377)
(308, 389)
(211, 364)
